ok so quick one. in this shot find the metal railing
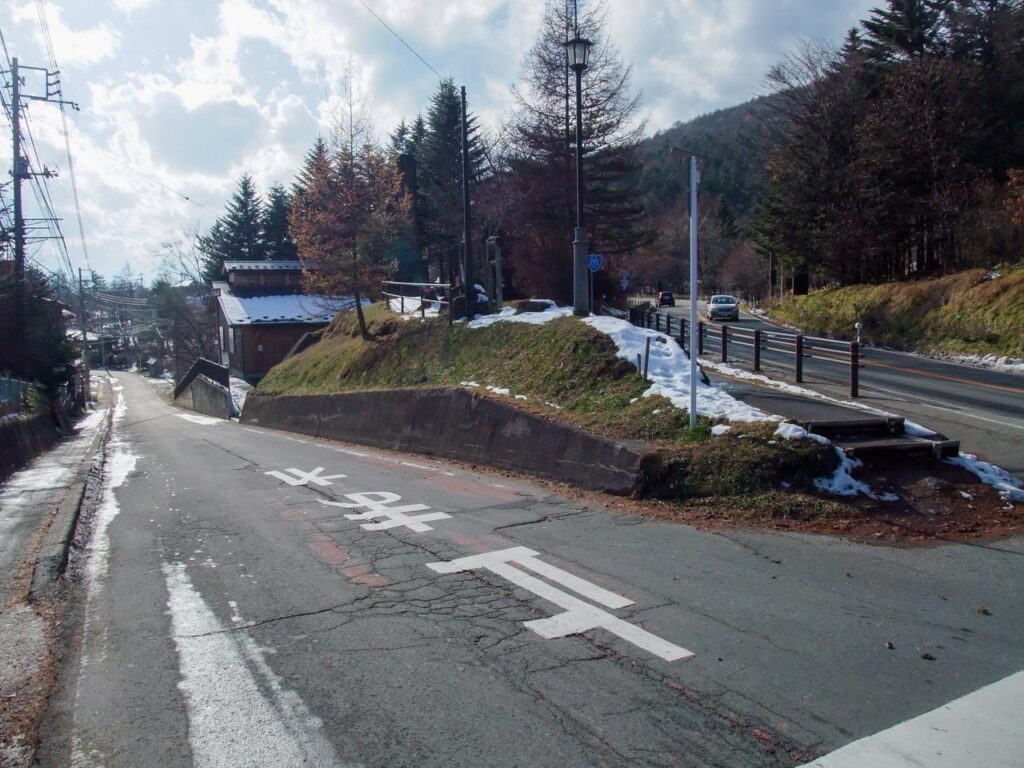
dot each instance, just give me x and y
(416, 295)
(797, 346)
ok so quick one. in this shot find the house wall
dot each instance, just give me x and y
(268, 279)
(264, 346)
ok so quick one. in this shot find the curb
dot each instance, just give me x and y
(52, 559)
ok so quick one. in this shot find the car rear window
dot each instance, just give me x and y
(723, 300)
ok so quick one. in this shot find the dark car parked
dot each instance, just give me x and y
(666, 299)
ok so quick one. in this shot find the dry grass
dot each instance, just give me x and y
(960, 313)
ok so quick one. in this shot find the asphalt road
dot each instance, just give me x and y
(230, 618)
(982, 408)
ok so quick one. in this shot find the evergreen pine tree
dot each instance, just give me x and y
(543, 159)
(276, 238)
(237, 235)
(439, 213)
(905, 29)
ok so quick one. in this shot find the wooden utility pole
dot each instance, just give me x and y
(86, 391)
(467, 251)
(18, 173)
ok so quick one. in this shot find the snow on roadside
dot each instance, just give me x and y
(240, 390)
(1002, 363)
(1008, 486)
(669, 371)
(841, 482)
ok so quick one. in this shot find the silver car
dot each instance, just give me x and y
(723, 308)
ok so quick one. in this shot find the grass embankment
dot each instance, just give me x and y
(567, 371)
(961, 313)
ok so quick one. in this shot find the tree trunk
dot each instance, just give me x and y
(359, 302)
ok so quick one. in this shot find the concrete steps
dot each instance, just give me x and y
(882, 438)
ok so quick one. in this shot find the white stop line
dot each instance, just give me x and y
(578, 616)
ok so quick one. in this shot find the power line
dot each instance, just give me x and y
(402, 41)
(45, 26)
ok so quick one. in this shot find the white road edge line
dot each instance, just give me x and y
(230, 720)
(985, 727)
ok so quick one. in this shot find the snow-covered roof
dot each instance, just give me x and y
(265, 266)
(291, 308)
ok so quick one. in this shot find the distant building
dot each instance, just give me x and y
(261, 313)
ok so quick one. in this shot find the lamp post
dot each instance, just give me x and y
(577, 53)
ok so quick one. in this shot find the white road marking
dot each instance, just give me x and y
(298, 477)
(376, 505)
(578, 616)
(230, 720)
(195, 418)
(981, 728)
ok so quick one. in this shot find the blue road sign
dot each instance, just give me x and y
(594, 261)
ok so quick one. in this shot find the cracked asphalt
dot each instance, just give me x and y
(234, 615)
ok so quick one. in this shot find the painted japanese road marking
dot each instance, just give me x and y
(298, 477)
(578, 616)
(376, 505)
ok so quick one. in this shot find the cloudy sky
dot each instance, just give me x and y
(179, 97)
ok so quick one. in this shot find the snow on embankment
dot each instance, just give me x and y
(669, 371)
(668, 368)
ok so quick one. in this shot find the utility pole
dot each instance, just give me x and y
(86, 390)
(467, 252)
(20, 319)
(694, 180)
(20, 172)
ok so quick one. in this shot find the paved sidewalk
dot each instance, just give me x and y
(29, 500)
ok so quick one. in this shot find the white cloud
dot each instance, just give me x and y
(186, 98)
(75, 47)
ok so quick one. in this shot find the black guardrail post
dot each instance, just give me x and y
(682, 333)
(700, 337)
(854, 369)
(799, 359)
(725, 344)
(757, 349)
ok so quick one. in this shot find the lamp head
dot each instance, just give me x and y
(577, 53)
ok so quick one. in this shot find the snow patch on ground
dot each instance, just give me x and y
(1009, 487)
(508, 315)
(240, 390)
(669, 371)
(788, 431)
(468, 384)
(720, 429)
(195, 418)
(499, 391)
(412, 307)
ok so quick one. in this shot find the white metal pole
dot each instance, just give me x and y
(693, 291)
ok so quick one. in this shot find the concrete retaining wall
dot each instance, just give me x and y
(206, 396)
(458, 424)
(21, 440)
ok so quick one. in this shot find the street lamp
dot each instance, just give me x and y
(577, 54)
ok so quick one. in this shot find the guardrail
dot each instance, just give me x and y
(799, 346)
(418, 293)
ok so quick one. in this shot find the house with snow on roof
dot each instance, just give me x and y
(262, 312)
